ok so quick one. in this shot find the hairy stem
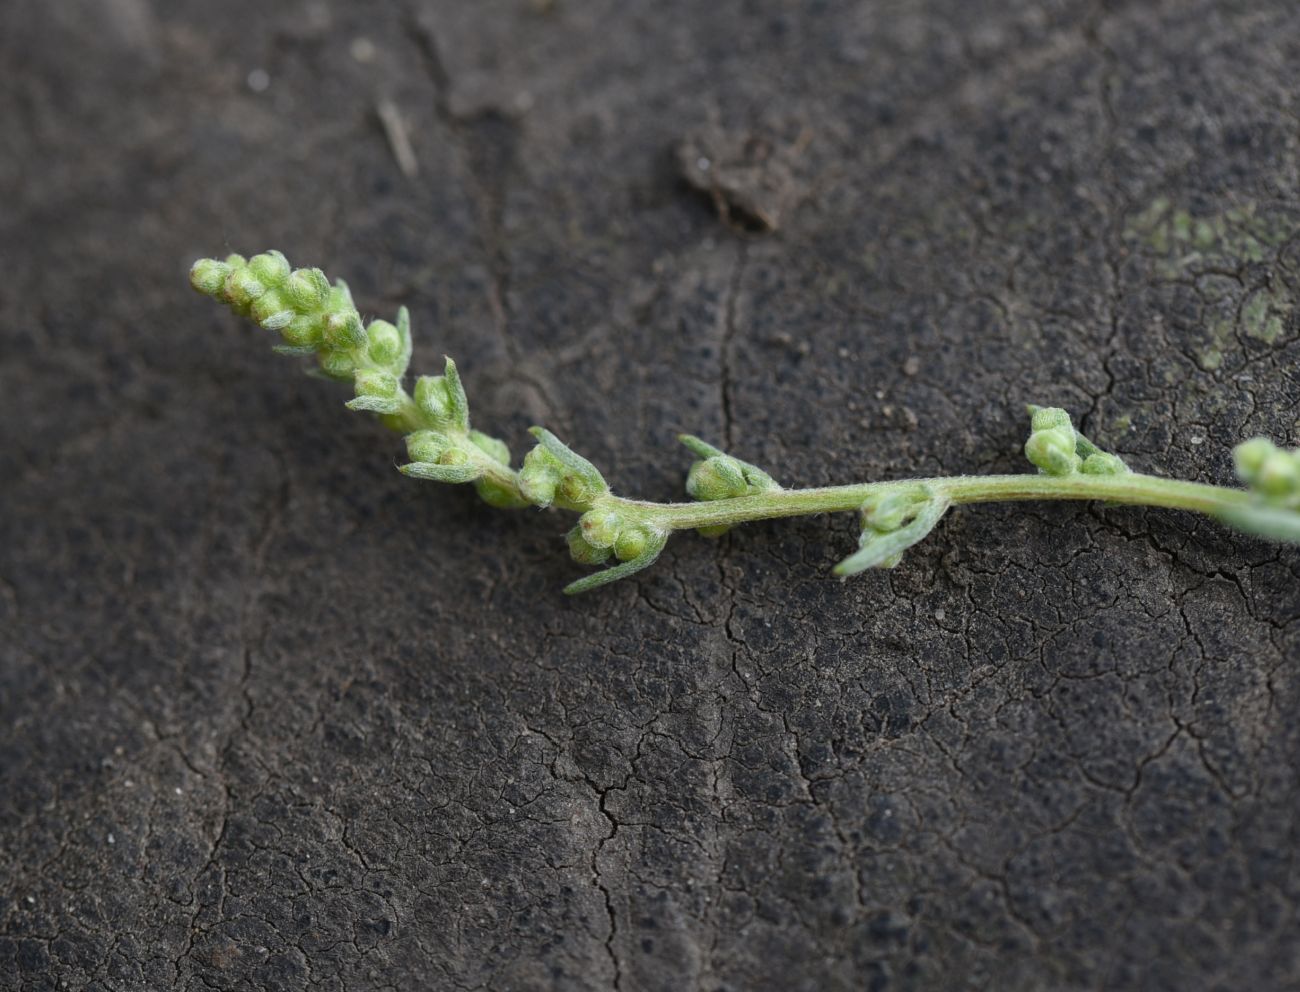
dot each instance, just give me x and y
(1130, 488)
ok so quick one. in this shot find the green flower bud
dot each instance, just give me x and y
(1279, 477)
(1249, 457)
(1045, 418)
(584, 552)
(720, 477)
(490, 446)
(385, 344)
(576, 492)
(495, 494)
(272, 268)
(308, 289)
(454, 456)
(303, 331)
(272, 310)
(886, 512)
(433, 397)
(1053, 451)
(632, 543)
(600, 527)
(426, 446)
(371, 382)
(242, 289)
(539, 477)
(337, 364)
(1103, 463)
(207, 275)
(344, 330)
(717, 530)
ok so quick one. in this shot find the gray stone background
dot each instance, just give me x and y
(276, 717)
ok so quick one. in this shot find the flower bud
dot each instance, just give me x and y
(1279, 477)
(272, 310)
(495, 494)
(433, 397)
(539, 477)
(714, 478)
(490, 446)
(371, 382)
(583, 551)
(207, 275)
(600, 527)
(242, 288)
(1103, 463)
(308, 289)
(303, 331)
(1045, 418)
(632, 543)
(343, 329)
(385, 344)
(426, 446)
(886, 512)
(272, 268)
(577, 492)
(337, 364)
(1053, 450)
(1249, 457)
(454, 456)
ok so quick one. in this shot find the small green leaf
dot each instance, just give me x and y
(441, 473)
(456, 394)
(375, 404)
(403, 359)
(701, 448)
(1260, 520)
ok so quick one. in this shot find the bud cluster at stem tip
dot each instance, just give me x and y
(313, 316)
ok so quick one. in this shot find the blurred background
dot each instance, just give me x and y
(273, 716)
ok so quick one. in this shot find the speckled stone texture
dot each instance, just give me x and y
(273, 716)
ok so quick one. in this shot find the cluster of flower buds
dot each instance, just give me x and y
(448, 450)
(554, 474)
(892, 521)
(1058, 449)
(1270, 471)
(718, 475)
(603, 532)
(312, 316)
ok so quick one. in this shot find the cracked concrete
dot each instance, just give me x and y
(274, 717)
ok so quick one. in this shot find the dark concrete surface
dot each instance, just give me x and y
(276, 717)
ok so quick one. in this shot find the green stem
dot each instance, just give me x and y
(1129, 488)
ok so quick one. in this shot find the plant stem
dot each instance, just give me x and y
(1129, 488)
